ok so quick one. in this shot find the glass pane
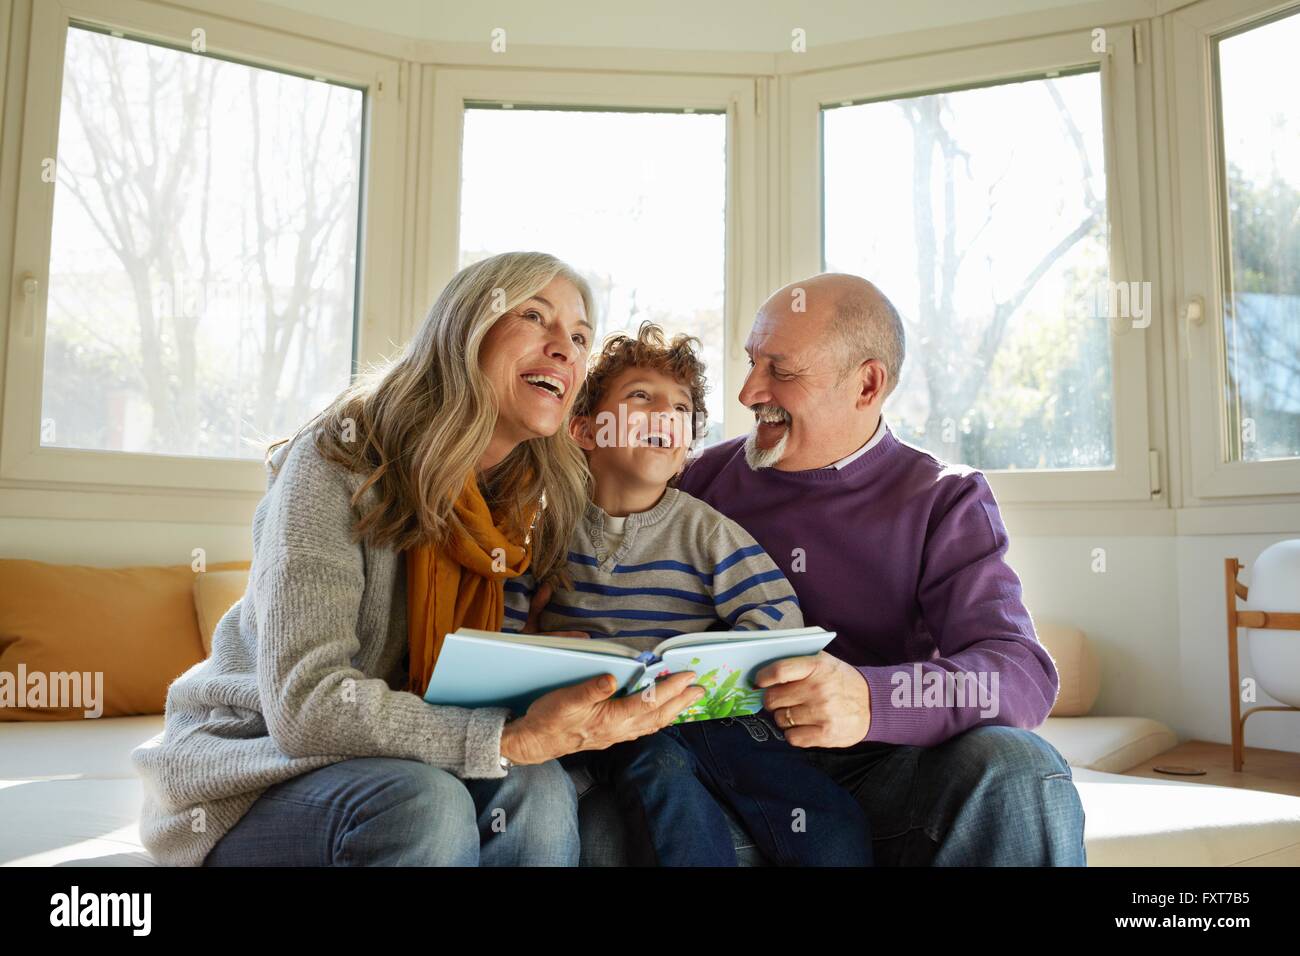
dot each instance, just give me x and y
(1259, 76)
(203, 262)
(981, 214)
(635, 201)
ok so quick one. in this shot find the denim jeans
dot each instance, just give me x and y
(672, 787)
(383, 811)
(992, 796)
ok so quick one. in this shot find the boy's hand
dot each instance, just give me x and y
(539, 601)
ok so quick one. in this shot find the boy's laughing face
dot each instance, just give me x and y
(641, 429)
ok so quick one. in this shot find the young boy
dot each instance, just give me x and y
(650, 562)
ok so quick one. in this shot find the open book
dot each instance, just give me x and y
(493, 669)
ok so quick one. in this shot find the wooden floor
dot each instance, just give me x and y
(1277, 771)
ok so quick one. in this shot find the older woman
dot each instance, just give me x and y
(391, 520)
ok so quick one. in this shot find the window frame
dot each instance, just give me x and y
(745, 251)
(1201, 231)
(24, 462)
(1131, 478)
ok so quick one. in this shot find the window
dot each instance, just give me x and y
(981, 213)
(1236, 155)
(202, 291)
(205, 245)
(1259, 128)
(634, 200)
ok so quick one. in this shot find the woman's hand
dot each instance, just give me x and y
(584, 717)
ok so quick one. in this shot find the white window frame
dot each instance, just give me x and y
(24, 463)
(745, 251)
(1130, 479)
(1199, 264)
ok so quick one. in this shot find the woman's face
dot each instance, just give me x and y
(535, 356)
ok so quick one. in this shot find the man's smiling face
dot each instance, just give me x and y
(803, 413)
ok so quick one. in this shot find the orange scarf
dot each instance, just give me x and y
(457, 584)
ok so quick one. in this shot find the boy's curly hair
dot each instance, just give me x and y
(677, 359)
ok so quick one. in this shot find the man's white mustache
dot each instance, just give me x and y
(771, 414)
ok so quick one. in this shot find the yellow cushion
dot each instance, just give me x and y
(127, 631)
(1077, 665)
(214, 594)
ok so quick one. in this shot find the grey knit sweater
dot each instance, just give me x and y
(306, 670)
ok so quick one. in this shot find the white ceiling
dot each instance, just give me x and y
(732, 25)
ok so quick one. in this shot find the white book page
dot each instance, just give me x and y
(703, 638)
(584, 644)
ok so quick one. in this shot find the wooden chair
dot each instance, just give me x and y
(1279, 620)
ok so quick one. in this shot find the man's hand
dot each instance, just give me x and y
(535, 606)
(585, 717)
(817, 701)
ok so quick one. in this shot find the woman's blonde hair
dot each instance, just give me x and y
(417, 427)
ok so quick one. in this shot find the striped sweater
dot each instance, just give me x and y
(679, 567)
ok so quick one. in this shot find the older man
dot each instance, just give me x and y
(924, 703)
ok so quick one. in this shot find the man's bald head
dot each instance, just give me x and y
(860, 322)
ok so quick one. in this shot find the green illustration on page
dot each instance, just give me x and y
(727, 694)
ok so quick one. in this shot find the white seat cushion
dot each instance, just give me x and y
(1133, 821)
(74, 748)
(1109, 744)
(68, 792)
(89, 822)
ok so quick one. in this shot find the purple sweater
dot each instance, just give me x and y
(904, 558)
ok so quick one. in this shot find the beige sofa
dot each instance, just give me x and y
(68, 794)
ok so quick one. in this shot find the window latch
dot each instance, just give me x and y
(30, 286)
(1193, 315)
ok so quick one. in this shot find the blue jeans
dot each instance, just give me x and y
(384, 811)
(671, 786)
(992, 796)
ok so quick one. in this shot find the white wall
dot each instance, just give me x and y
(1157, 618)
(1129, 611)
(120, 543)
